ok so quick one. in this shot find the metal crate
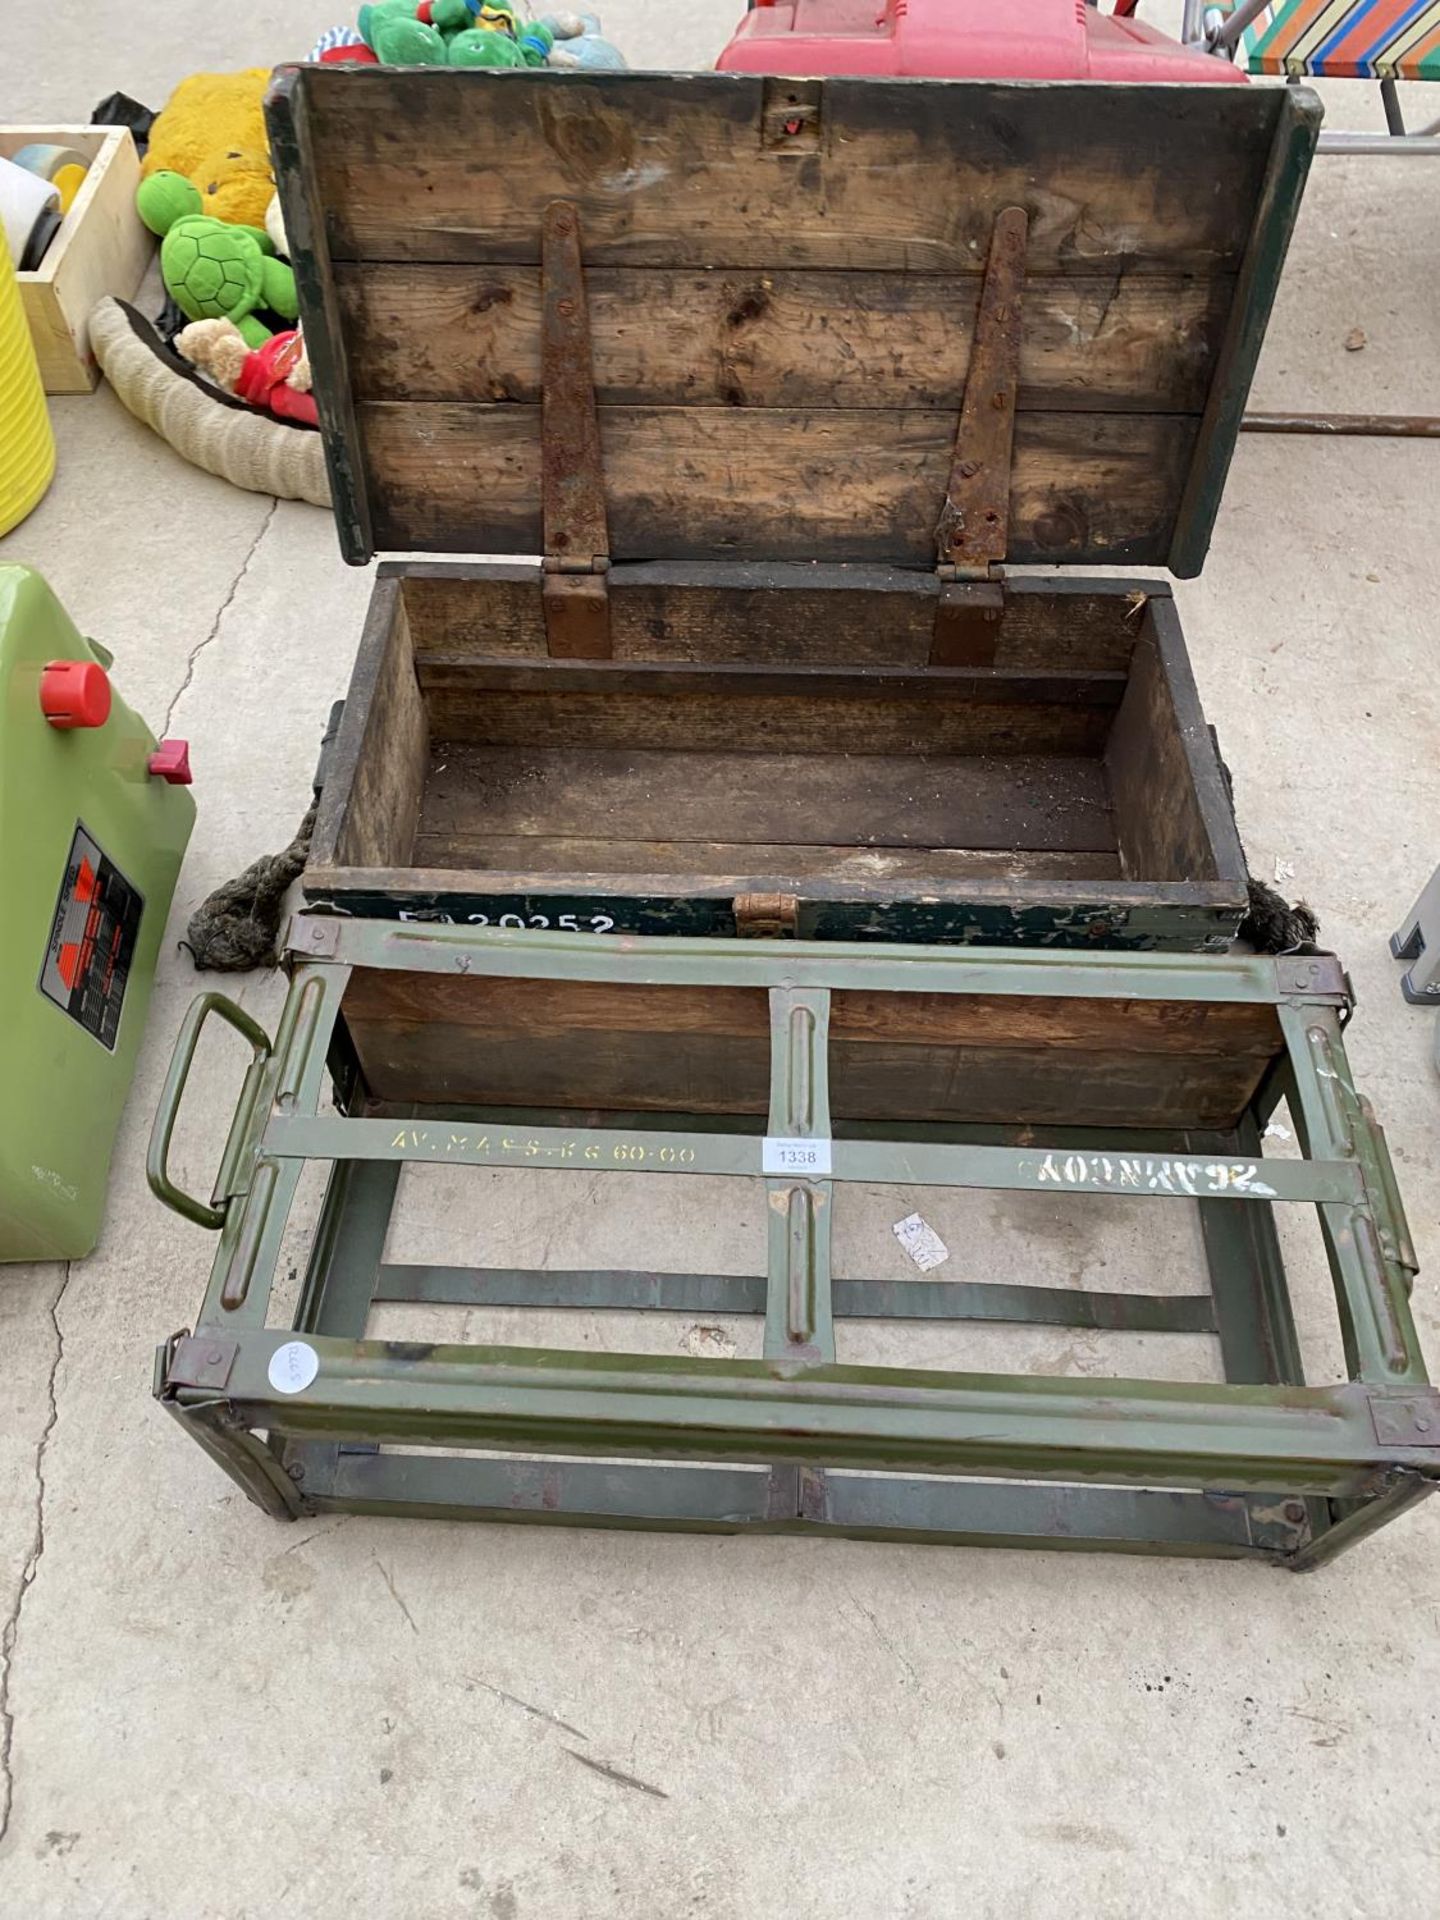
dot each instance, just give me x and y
(316, 1417)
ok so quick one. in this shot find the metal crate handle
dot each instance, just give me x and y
(157, 1169)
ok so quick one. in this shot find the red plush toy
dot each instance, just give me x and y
(342, 47)
(269, 379)
(275, 376)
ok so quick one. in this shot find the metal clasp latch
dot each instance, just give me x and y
(766, 916)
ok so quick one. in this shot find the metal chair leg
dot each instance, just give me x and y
(1418, 939)
(1394, 115)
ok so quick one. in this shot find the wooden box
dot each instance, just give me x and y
(484, 1040)
(102, 247)
(780, 382)
(1068, 794)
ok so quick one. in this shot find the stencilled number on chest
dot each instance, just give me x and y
(561, 922)
(1122, 1173)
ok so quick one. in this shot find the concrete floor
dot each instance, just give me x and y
(210, 1715)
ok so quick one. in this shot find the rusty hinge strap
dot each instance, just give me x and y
(572, 481)
(974, 525)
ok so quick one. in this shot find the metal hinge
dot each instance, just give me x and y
(200, 1360)
(973, 531)
(1406, 1419)
(313, 936)
(572, 483)
(1314, 976)
(766, 916)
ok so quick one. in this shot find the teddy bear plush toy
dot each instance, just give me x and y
(275, 376)
(212, 130)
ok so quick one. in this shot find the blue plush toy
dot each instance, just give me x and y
(578, 43)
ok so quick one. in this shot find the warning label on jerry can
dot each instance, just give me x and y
(92, 940)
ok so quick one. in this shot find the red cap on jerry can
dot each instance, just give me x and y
(75, 693)
(171, 761)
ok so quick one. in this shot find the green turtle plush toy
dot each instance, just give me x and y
(456, 33)
(211, 269)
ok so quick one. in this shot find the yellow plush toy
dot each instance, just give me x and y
(212, 130)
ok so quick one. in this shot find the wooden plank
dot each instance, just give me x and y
(671, 720)
(752, 709)
(1145, 760)
(457, 1040)
(542, 1009)
(664, 337)
(981, 688)
(494, 612)
(858, 485)
(431, 1061)
(382, 618)
(671, 170)
(1197, 765)
(734, 868)
(289, 119)
(1179, 1029)
(1148, 912)
(1037, 802)
(741, 611)
(371, 801)
(981, 1085)
(1172, 1027)
(1296, 133)
(1160, 744)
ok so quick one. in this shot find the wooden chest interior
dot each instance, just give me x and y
(876, 791)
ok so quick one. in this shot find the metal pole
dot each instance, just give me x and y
(1410, 146)
(1379, 426)
(1225, 36)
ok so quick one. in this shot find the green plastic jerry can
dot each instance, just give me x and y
(94, 820)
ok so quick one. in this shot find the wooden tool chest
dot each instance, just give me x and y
(779, 381)
(776, 381)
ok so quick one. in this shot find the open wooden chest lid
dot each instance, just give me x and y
(779, 286)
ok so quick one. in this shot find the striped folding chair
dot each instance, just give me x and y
(1382, 40)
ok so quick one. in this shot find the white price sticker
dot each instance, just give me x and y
(293, 1367)
(921, 1242)
(810, 1157)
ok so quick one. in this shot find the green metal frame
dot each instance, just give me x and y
(1261, 1466)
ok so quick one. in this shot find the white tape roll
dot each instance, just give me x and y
(24, 198)
(45, 160)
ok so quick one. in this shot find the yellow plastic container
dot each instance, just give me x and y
(27, 445)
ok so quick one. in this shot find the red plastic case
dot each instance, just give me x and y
(962, 40)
